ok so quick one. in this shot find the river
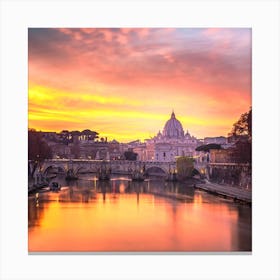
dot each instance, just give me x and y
(124, 216)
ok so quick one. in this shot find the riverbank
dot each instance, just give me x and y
(237, 194)
(36, 188)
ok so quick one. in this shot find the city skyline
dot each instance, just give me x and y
(124, 83)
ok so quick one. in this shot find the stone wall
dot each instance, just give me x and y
(232, 174)
(220, 156)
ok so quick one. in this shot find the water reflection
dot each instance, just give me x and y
(122, 215)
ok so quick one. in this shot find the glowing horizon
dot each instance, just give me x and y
(124, 83)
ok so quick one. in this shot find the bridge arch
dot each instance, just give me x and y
(57, 168)
(155, 170)
(81, 169)
(48, 169)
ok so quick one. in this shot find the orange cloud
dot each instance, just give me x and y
(111, 79)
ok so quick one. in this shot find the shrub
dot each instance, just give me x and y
(185, 167)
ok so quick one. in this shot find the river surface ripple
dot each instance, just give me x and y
(124, 216)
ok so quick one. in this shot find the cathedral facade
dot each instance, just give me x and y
(168, 144)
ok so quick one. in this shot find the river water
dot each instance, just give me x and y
(124, 216)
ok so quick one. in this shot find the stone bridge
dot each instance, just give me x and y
(116, 166)
(212, 171)
(79, 166)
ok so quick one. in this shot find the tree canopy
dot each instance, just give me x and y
(243, 127)
(208, 147)
(185, 167)
(242, 132)
(67, 136)
(38, 149)
(129, 155)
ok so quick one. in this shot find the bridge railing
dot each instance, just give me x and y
(108, 161)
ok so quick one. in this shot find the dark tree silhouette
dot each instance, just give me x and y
(242, 134)
(38, 150)
(208, 147)
(91, 135)
(243, 127)
(129, 155)
(65, 137)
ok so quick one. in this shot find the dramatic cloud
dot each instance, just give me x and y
(134, 77)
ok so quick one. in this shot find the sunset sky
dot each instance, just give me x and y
(124, 83)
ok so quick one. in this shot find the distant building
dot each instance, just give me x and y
(220, 156)
(215, 140)
(168, 144)
(83, 145)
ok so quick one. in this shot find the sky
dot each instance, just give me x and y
(125, 82)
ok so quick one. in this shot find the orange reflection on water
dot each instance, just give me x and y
(132, 222)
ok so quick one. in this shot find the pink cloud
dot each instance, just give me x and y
(143, 32)
(122, 39)
(107, 35)
(151, 64)
(211, 31)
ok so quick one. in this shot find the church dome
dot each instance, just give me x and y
(173, 128)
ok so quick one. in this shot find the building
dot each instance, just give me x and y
(168, 144)
(220, 156)
(82, 145)
(215, 140)
(165, 146)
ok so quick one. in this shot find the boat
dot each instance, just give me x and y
(55, 186)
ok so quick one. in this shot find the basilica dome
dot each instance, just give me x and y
(173, 128)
